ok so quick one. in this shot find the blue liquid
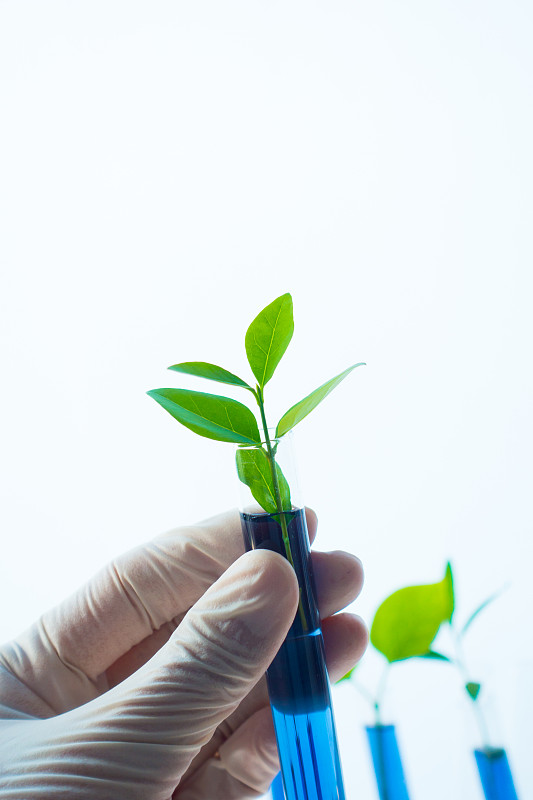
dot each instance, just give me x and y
(305, 741)
(297, 679)
(495, 774)
(387, 762)
(276, 790)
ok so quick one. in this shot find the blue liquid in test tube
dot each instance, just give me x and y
(495, 774)
(297, 679)
(387, 762)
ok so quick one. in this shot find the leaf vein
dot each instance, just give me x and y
(271, 340)
(259, 346)
(229, 420)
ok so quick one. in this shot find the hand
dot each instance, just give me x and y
(147, 684)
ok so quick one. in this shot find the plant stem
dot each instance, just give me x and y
(363, 691)
(461, 664)
(379, 694)
(376, 701)
(283, 521)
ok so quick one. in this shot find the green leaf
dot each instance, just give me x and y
(210, 371)
(408, 620)
(347, 676)
(473, 689)
(210, 415)
(296, 413)
(253, 469)
(481, 608)
(435, 655)
(448, 585)
(268, 337)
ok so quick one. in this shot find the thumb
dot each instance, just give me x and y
(171, 707)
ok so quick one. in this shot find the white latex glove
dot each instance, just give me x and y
(147, 683)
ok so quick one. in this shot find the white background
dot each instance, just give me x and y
(169, 168)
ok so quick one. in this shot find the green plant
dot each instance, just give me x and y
(458, 660)
(227, 420)
(404, 626)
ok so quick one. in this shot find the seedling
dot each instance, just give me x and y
(404, 626)
(472, 688)
(227, 420)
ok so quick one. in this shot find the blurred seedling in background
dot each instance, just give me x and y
(405, 626)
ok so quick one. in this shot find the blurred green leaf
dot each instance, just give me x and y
(408, 620)
(268, 337)
(473, 689)
(201, 369)
(296, 413)
(448, 581)
(435, 655)
(210, 415)
(253, 469)
(347, 676)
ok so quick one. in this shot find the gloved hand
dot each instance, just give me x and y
(147, 684)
